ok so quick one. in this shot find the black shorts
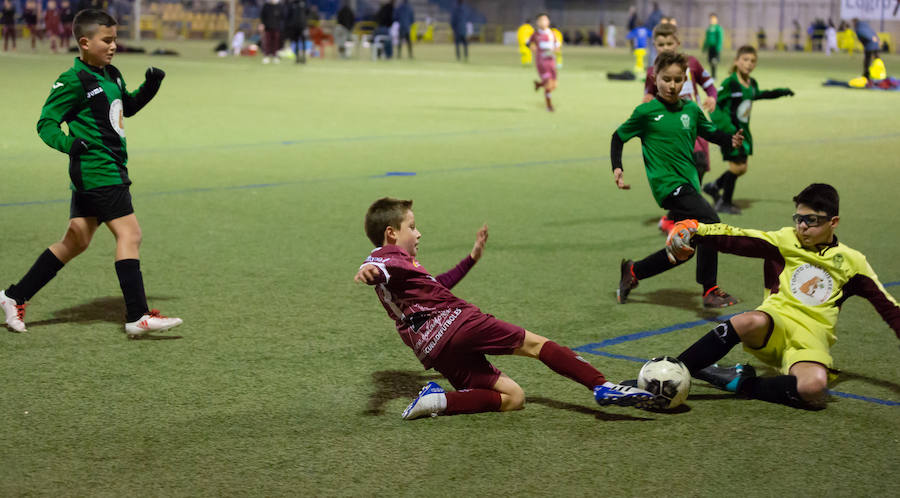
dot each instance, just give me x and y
(733, 155)
(104, 203)
(686, 203)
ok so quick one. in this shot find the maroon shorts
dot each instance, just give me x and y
(462, 360)
(546, 69)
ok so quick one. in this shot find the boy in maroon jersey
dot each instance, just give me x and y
(665, 39)
(544, 45)
(452, 336)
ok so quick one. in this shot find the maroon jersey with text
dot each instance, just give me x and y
(546, 42)
(424, 310)
(697, 77)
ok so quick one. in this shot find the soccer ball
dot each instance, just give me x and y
(666, 377)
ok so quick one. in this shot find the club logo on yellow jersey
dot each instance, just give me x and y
(811, 285)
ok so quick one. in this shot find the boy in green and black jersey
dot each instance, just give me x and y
(668, 127)
(92, 99)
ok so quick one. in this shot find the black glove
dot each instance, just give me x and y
(154, 75)
(78, 147)
(786, 92)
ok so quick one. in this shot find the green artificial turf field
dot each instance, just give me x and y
(251, 183)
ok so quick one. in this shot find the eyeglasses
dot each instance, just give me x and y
(811, 220)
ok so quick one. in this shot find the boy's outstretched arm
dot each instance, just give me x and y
(369, 274)
(615, 155)
(707, 130)
(132, 102)
(774, 94)
(452, 277)
(866, 284)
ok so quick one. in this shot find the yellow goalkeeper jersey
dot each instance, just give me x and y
(810, 285)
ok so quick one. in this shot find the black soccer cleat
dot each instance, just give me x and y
(627, 281)
(727, 207)
(727, 379)
(712, 190)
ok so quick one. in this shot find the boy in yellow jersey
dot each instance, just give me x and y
(808, 276)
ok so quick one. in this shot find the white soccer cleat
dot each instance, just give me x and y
(428, 403)
(622, 395)
(15, 313)
(151, 322)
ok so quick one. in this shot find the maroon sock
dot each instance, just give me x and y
(472, 401)
(565, 362)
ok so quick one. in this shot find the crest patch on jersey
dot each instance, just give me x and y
(686, 121)
(811, 285)
(743, 111)
(116, 118)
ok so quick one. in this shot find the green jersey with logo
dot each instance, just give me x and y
(93, 102)
(732, 112)
(713, 38)
(668, 133)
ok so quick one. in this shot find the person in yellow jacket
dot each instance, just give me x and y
(523, 35)
(808, 275)
(559, 42)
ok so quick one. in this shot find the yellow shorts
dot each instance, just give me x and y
(792, 341)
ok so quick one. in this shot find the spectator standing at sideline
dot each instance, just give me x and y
(458, 21)
(404, 16)
(67, 16)
(271, 19)
(655, 17)
(343, 28)
(384, 18)
(870, 42)
(295, 27)
(8, 24)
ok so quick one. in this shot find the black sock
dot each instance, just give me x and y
(781, 389)
(729, 180)
(725, 180)
(653, 264)
(132, 284)
(710, 348)
(42, 271)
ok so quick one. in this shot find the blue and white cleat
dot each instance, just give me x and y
(621, 395)
(428, 403)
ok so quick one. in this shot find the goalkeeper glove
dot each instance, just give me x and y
(678, 243)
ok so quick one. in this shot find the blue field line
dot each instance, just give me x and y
(195, 190)
(839, 394)
(595, 348)
(441, 134)
(879, 401)
(648, 333)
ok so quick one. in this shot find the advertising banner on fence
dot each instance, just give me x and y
(871, 10)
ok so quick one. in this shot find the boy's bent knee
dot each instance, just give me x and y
(812, 382)
(512, 401)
